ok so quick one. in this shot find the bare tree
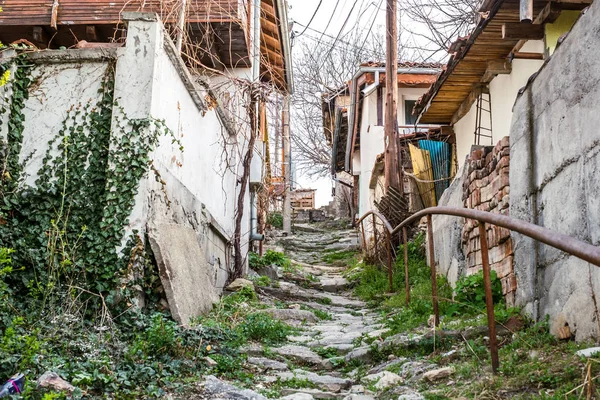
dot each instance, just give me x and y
(324, 64)
(430, 26)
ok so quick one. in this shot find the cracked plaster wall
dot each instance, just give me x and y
(555, 180)
(150, 82)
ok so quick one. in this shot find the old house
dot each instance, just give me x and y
(518, 96)
(163, 101)
(354, 125)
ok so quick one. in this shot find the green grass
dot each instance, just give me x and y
(338, 256)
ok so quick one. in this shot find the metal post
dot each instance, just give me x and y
(434, 291)
(374, 237)
(364, 240)
(406, 285)
(489, 300)
(526, 10)
(389, 261)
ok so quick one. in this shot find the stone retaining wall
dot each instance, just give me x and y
(486, 188)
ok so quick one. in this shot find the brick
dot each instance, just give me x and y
(509, 283)
(503, 163)
(510, 299)
(504, 267)
(505, 142)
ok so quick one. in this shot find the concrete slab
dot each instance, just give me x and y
(184, 272)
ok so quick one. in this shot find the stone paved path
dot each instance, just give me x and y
(327, 354)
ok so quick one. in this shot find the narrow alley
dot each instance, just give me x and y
(338, 348)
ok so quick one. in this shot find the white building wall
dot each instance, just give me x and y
(503, 90)
(372, 142)
(149, 84)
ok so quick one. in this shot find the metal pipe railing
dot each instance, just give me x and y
(563, 242)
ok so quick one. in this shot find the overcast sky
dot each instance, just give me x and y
(330, 19)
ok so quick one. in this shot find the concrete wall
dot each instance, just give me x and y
(204, 174)
(555, 180)
(78, 75)
(199, 188)
(503, 90)
(447, 230)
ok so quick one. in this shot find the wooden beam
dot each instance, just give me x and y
(496, 67)
(90, 33)
(548, 14)
(54, 15)
(522, 31)
(522, 55)
(465, 106)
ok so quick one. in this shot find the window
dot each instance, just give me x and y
(409, 118)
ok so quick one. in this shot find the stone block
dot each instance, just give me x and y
(184, 272)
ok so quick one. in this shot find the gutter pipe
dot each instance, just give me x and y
(287, 47)
(368, 90)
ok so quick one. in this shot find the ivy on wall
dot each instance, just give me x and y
(67, 230)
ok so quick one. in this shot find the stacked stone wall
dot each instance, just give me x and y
(487, 188)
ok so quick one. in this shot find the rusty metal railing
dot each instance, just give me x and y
(563, 242)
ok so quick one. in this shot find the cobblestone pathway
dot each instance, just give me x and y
(330, 358)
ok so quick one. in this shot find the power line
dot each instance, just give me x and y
(311, 18)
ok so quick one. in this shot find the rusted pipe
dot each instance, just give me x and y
(434, 291)
(406, 285)
(364, 240)
(573, 246)
(390, 261)
(375, 236)
(489, 299)
(384, 220)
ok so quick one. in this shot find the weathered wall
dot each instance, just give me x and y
(555, 179)
(503, 90)
(78, 74)
(193, 188)
(486, 188)
(447, 230)
(372, 143)
(203, 179)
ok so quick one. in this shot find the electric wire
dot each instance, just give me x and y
(311, 19)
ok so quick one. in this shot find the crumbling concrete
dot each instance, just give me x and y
(554, 180)
(448, 230)
(184, 272)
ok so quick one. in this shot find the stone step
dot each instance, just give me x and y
(327, 383)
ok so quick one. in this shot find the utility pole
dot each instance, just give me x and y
(391, 155)
(287, 166)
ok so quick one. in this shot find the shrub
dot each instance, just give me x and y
(470, 291)
(270, 258)
(264, 328)
(275, 219)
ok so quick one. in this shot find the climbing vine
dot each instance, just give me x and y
(67, 230)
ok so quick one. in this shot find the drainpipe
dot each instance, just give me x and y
(256, 40)
(254, 235)
(367, 91)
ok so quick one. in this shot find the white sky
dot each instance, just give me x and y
(363, 14)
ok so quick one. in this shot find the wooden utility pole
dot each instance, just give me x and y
(391, 155)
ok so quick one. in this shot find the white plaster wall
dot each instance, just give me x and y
(202, 166)
(371, 145)
(372, 142)
(503, 90)
(47, 107)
